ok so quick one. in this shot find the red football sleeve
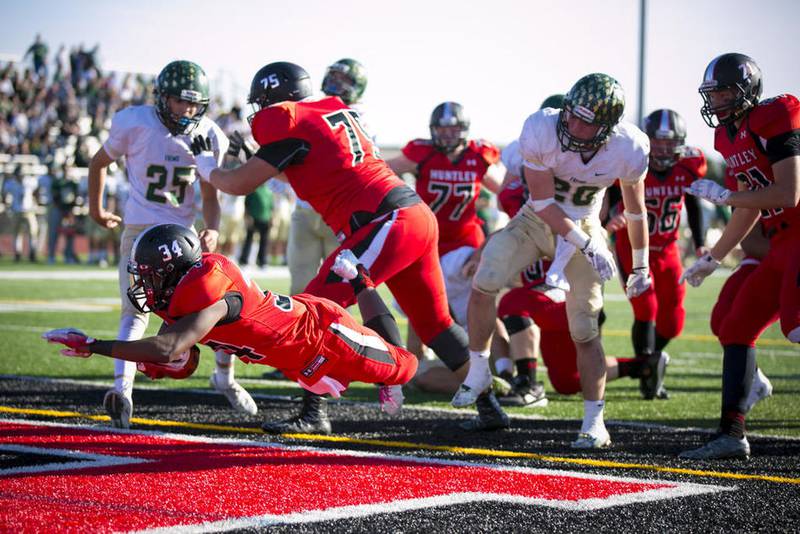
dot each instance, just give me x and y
(273, 123)
(417, 150)
(489, 152)
(776, 117)
(200, 289)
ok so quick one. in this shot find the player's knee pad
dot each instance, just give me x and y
(451, 346)
(516, 323)
(583, 327)
(794, 335)
(565, 385)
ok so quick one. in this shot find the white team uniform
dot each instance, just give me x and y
(579, 191)
(161, 167)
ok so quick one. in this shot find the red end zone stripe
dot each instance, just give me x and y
(184, 481)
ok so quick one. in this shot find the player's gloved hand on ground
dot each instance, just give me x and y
(204, 156)
(709, 190)
(75, 340)
(638, 282)
(238, 144)
(326, 384)
(600, 258)
(698, 271)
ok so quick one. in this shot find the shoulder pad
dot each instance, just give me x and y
(418, 149)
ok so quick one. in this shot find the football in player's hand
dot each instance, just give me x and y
(179, 369)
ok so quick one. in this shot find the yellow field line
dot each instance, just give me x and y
(490, 453)
(706, 337)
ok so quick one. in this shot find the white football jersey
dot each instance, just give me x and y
(161, 166)
(580, 186)
(512, 158)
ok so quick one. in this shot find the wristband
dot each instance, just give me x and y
(578, 237)
(633, 216)
(640, 258)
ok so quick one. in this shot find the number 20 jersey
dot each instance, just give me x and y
(579, 186)
(160, 166)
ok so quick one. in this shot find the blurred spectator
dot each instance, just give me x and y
(282, 205)
(60, 218)
(22, 191)
(258, 218)
(38, 52)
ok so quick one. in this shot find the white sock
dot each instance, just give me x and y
(131, 328)
(224, 369)
(503, 365)
(593, 416)
(478, 370)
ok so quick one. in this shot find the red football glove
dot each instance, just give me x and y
(74, 339)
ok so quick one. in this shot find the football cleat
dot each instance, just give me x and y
(490, 415)
(119, 408)
(722, 446)
(651, 383)
(600, 439)
(523, 393)
(240, 399)
(391, 399)
(312, 419)
(759, 390)
(478, 380)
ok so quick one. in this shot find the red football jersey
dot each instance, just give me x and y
(746, 154)
(342, 173)
(451, 189)
(276, 330)
(664, 196)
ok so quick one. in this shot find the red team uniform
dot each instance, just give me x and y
(333, 165)
(304, 336)
(771, 291)
(662, 303)
(451, 189)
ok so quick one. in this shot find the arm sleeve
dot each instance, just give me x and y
(694, 218)
(530, 146)
(281, 154)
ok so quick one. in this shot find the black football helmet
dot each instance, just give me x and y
(161, 256)
(667, 132)
(445, 115)
(278, 82)
(738, 73)
(597, 99)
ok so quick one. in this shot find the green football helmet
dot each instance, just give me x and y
(596, 99)
(346, 79)
(555, 101)
(183, 80)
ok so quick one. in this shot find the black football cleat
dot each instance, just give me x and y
(312, 419)
(490, 415)
(523, 393)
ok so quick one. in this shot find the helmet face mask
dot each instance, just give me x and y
(182, 81)
(596, 99)
(278, 82)
(667, 132)
(161, 256)
(346, 79)
(449, 126)
(731, 86)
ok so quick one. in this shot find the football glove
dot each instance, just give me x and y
(239, 144)
(179, 369)
(709, 190)
(698, 271)
(324, 385)
(600, 258)
(204, 156)
(638, 282)
(75, 340)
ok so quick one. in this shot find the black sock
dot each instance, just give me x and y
(526, 367)
(631, 367)
(643, 336)
(661, 342)
(738, 369)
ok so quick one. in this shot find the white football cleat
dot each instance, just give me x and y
(600, 439)
(477, 381)
(759, 390)
(119, 408)
(240, 399)
(722, 446)
(345, 265)
(391, 399)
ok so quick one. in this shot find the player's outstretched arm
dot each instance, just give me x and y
(239, 181)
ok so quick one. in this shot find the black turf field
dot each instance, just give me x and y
(755, 506)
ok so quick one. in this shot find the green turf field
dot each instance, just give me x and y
(30, 307)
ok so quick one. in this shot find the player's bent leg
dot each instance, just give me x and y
(222, 380)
